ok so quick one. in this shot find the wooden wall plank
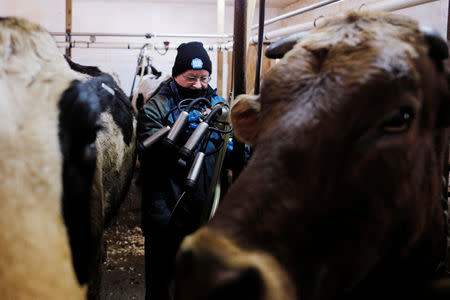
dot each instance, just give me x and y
(69, 26)
(250, 72)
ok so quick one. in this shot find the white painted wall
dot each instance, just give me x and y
(49, 13)
(433, 14)
(132, 17)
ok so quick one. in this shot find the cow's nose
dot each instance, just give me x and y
(202, 277)
(212, 268)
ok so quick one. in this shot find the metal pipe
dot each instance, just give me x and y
(262, 5)
(146, 35)
(296, 12)
(284, 31)
(124, 45)
(220, 30)
(213, 36)
(219, 47)
(389, 5)
(392, 5)
(110, 45)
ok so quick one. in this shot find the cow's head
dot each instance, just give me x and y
(343, 193)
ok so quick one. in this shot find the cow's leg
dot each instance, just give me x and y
(97, 221)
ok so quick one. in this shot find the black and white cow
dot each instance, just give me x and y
(66, 159)
(49, 121)
(116, 158)
(147, 87)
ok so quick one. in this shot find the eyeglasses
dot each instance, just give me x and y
(193, 79)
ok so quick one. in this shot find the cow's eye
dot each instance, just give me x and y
(399, 121)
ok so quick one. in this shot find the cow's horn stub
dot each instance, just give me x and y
(283, 45)
(438, 46)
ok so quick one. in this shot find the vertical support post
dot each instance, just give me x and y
(230, 74)
(239, 55)
(215, 189)
(220, 73)
(448, 21)
(239, 46)
(220, 30)
(69, 27)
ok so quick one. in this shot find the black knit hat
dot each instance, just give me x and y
(191, 56)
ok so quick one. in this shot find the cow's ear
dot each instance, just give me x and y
(245, 118)
(438, 50)
(437, 46)
(139, 101)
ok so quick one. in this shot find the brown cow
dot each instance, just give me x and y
(342, 198)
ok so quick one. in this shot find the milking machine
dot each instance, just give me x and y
(197, 123)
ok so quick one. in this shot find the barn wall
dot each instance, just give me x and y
(129, 16)
(53, 19)
(434, 14)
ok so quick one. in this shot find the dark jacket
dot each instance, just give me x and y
(162, 175)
